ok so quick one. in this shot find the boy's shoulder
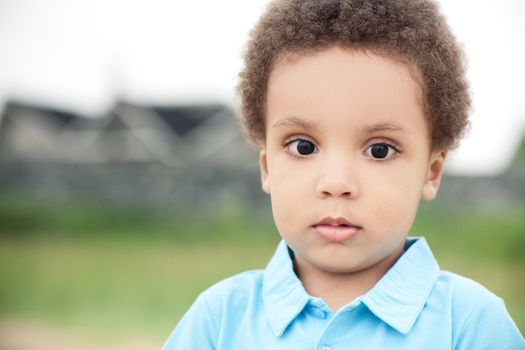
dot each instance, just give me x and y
(463, 293)
(236, 288)
(478, 315)
(468, 298)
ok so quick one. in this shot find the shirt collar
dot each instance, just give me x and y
(397, 298)
(284, 296)
(400, 295)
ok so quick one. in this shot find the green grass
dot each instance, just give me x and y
(123, 271)
(116, 286)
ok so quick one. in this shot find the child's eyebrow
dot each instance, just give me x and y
(294, 122)
(309, 126)
(385, 126)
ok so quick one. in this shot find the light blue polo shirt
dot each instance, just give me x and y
(414, 306)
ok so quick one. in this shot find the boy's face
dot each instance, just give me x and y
(346, 158)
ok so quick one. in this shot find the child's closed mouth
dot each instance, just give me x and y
(336, 229)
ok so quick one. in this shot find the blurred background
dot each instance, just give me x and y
(126, 187)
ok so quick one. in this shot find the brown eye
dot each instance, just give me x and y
(305, 147)
(301, 148)
(381, 151)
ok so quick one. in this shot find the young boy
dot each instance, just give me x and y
(353, 105)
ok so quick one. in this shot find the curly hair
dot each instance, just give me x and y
(412, 31)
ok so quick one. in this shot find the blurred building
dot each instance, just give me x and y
(490, 192)
(193, 154)
(177, 155)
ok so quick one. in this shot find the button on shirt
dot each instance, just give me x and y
(413, 306)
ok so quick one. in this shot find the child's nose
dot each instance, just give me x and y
(337, 181)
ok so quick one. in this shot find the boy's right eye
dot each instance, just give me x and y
(300, 147)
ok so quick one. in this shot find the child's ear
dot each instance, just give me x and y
(263, 165)
(434, 173)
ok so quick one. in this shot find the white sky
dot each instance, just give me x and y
(83, 54)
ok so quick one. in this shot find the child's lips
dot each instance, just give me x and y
(336, 229)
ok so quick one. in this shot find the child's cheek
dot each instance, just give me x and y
(397, 210)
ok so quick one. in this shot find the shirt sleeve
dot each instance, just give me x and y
(196, 330)
(489, 326)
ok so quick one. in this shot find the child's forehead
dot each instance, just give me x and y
(347, 79)
(359, 65)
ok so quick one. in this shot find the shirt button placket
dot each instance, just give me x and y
(326, 347)
(320, 313)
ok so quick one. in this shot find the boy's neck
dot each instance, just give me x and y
(339, 289)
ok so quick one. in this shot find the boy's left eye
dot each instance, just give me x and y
(381, 151)
(301, 147)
